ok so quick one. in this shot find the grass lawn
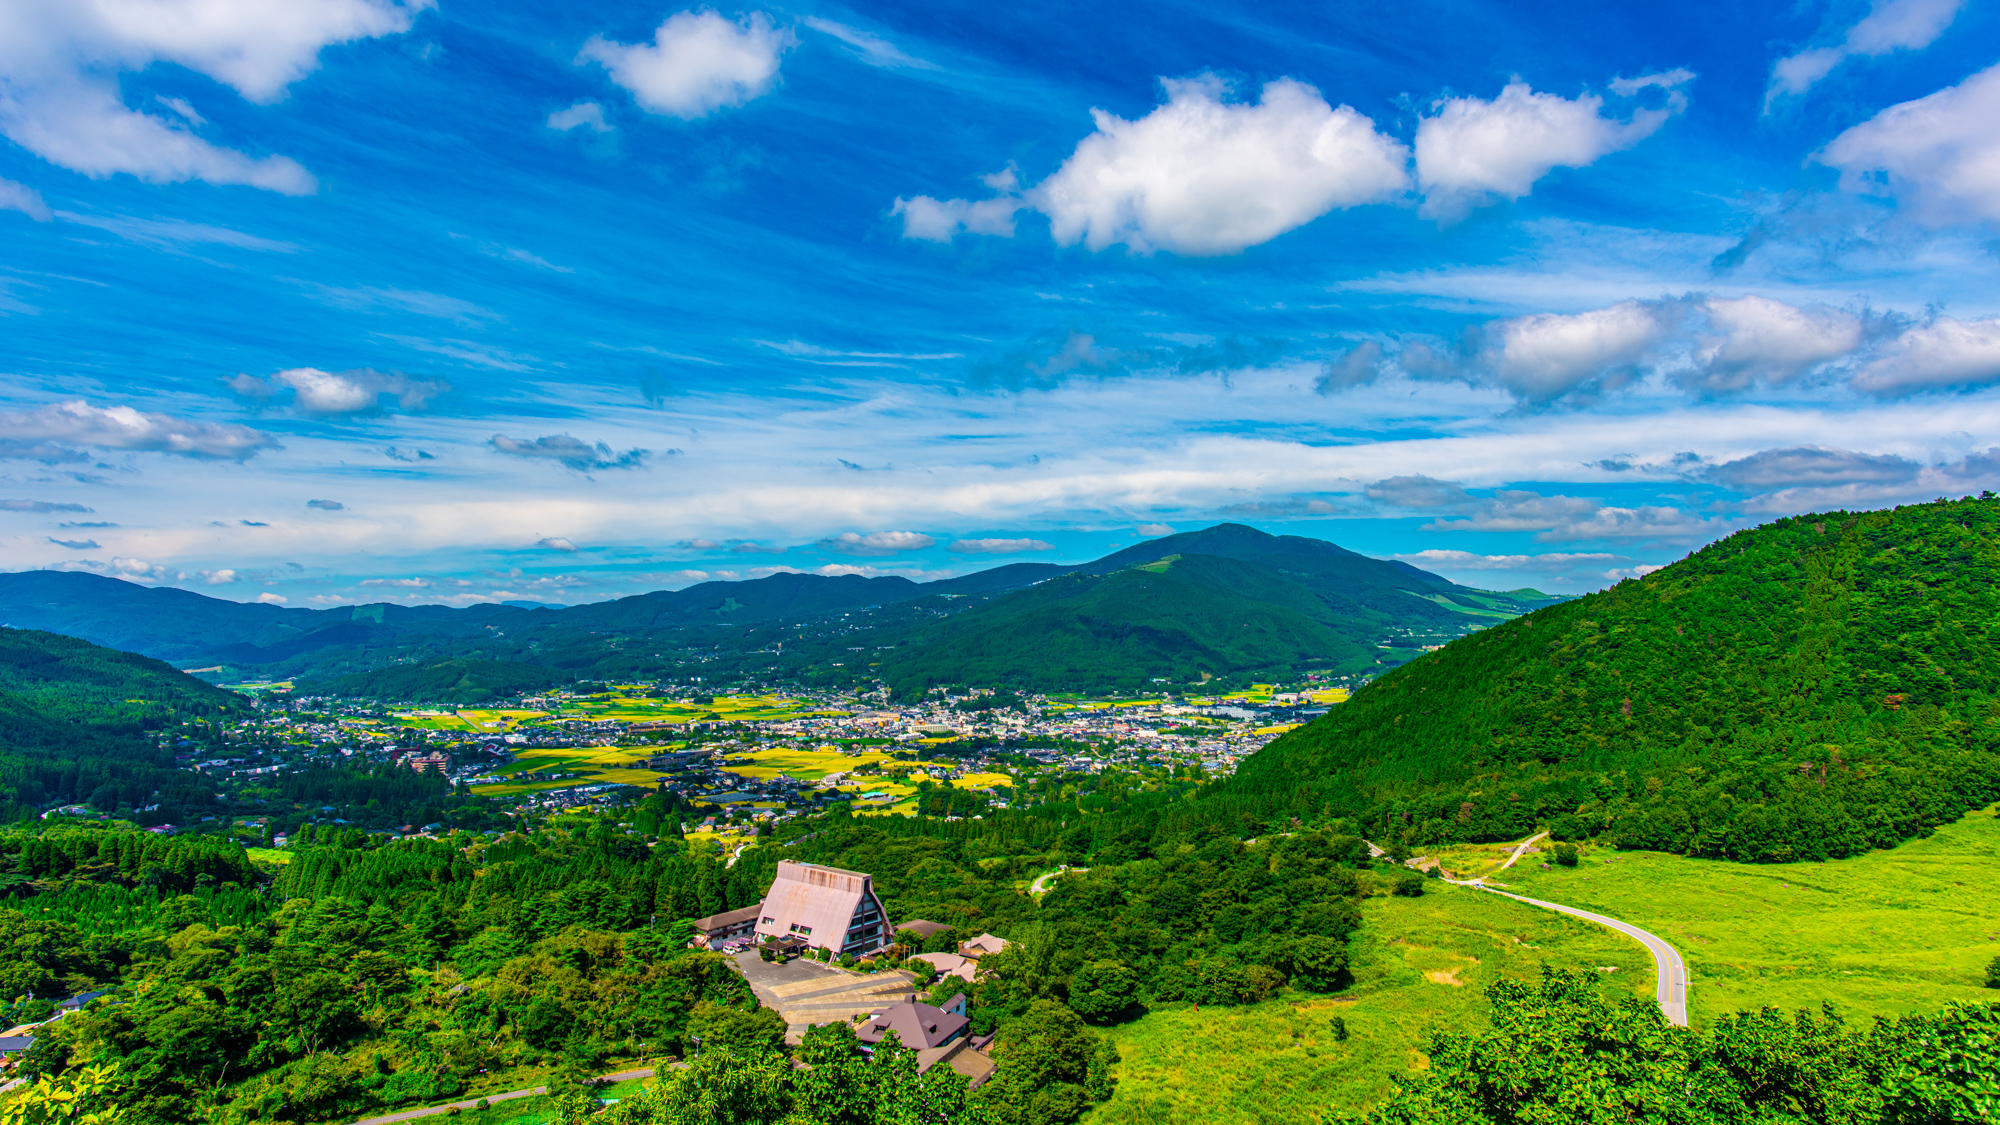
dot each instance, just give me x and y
(1887, 933)
(1419, 964)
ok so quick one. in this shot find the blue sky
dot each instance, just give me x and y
(351, 300)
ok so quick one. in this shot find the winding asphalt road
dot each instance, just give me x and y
(431, 1111)
(1041, 886)
(1669, 970)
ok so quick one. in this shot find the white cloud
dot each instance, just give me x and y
(1755, 339)
(697, 63)
(1894, 25)
(1944, 353)
(1203, 176)
(583, 115)
(671, 578)
(47, 432)
(325, 392)
(557, 543)
(26, 200)
(218, 577)
(268, 598)
(1940, 153)
(877, 543)
(61, 62)
(1000, 546)
(938, 220)
(408, 583)
(873, 50)
(1471, 151)
(1466, 560)
(1546, 356)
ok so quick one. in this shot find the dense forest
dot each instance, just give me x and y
(1812, 688)
(460, 682)
(80, 723)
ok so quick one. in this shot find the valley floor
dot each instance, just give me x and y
(1888, 933)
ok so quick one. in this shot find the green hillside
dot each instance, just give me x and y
(1175, 619)
(445, 681)
(1809, 689)
(1225, 601)
(77, 721)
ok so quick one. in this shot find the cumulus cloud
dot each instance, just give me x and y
(1758, 340)
(1943, 353)
(557, 543)
(1939, 154)
(698, 63)
(268, 598)
(582, 115)
(876, 543)
(50, 433)
(939, 220)
(1154, 530)
(61, 63)
(26, 200)
(217, 577)
(570, 452)
(1893, 25)
(1472, 151)
(999, 546)
(41, 506)
(325, 393)
(1811, 466)
(1467, 560)
(1546, 356)
(327, 505)
(1200, 175)
(408, 583)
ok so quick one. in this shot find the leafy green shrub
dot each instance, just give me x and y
(1566, 855)
(1408, 884)
(1993, 974)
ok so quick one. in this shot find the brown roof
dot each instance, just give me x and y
(919, 1026)
(728, 918)
(922, 926)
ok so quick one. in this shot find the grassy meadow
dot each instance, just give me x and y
(1887, 933)
(1419, 964)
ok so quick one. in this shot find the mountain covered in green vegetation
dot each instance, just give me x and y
(1227, 601)
(1812, 688)
(77, 721)
(444, 681)
(1183, 608)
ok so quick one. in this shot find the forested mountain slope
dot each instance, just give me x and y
(1811, 688)
(75, 721)
(1222, 600)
